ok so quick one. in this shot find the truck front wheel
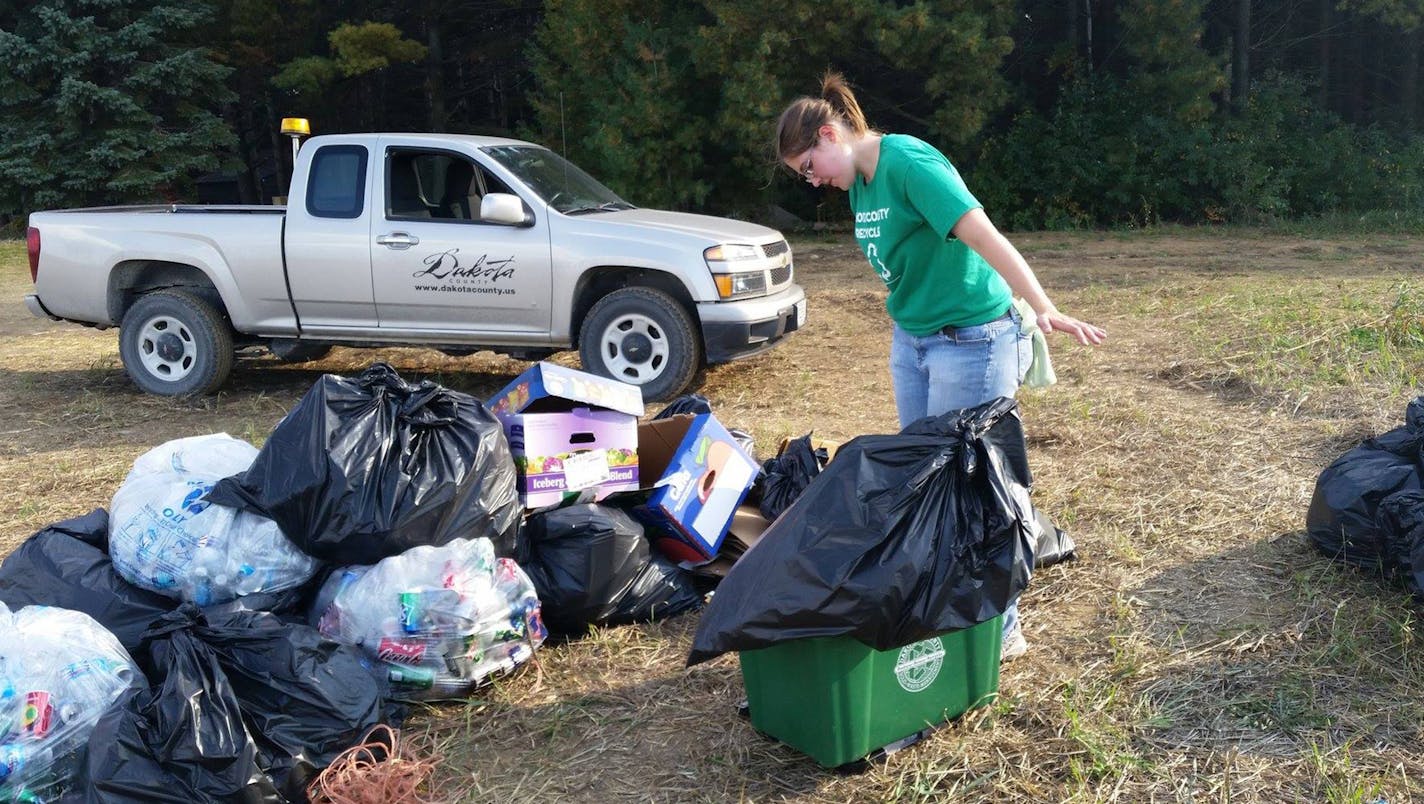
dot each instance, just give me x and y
(173, 343)
(641, 335)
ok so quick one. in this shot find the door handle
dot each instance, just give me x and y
(397, 240)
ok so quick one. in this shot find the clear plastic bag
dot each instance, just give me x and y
(437, 620)
(164, 536)
(59, 672)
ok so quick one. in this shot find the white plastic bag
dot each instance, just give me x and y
(438, 620)
(59, 671)
(163, 536)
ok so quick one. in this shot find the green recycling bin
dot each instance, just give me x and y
(837, 700)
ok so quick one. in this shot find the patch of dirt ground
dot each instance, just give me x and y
(1197, 650)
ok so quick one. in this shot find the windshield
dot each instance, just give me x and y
(561, 183)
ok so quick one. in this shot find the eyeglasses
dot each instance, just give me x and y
(806, 171)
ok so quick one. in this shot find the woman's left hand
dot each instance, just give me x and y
(1082, 331)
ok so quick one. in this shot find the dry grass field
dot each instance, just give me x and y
(1199, 650)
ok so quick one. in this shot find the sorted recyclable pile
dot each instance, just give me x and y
(1368, 505)
(435, 621)
(390, 541)
(59, 672)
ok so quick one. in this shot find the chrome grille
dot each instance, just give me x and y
(773, 249)
(782, 275)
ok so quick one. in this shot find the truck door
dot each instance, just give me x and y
(437, 267)
(326, 241)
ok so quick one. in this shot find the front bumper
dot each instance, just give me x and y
(731, 330)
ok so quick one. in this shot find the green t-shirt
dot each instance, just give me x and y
(902, 223)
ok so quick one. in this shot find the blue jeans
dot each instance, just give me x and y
(960, 368)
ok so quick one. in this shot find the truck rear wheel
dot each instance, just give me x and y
(641, 335)
(173, 343)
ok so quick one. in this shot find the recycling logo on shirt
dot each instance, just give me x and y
(873, 254)
(918, 665)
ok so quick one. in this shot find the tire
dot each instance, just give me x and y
(291, 350)
(173, 343)
(641, 335)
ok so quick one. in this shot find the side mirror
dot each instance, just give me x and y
(505, 208)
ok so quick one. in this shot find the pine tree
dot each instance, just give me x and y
(105, 101)
(676, 103)
(618, 92)
(1170, 72)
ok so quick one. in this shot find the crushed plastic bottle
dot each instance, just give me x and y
(438, 621)
(164, 536)
(59, 671)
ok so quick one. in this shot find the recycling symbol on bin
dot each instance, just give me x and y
(918, 665)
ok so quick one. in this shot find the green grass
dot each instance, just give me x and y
(1314, 335)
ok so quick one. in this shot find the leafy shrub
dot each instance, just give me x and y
(1105, 157)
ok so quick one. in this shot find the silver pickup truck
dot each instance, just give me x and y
(460, 243)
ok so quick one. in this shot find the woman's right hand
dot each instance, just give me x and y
(1082, 331)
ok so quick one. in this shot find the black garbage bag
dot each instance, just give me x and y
(244, 707)
(697, 404)
(368, 467)
(1401, 518)
(1054, 545)
(305, 698)
(1342, 520)
(788, 474)
(67, 565)
(900, 538)
(591, 565)
(688, 404)
(183, 739)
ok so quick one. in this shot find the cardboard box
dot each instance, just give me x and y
(694, 475)
(745, 531)
(743, 534)
(570, 431)
(549, 387)
(816, 443)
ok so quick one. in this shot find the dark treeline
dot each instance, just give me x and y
(1061, 112)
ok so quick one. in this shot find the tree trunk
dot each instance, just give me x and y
(248, 189)
(1355, 103)
(1241, 56)
(1088, 7)
(435, 72)
(1327, 18)
(1409, 82)
(280, 155)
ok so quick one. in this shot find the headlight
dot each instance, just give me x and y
(730, 286)
(731, 252)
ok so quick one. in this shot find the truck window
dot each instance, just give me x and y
(338, 182)
(556, 180)
(431, 185)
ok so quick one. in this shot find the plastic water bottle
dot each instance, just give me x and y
(88, 687)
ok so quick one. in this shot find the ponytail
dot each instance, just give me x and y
(796, 130)
(836, 92)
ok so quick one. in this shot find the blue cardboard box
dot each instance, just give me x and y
(694, 475)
